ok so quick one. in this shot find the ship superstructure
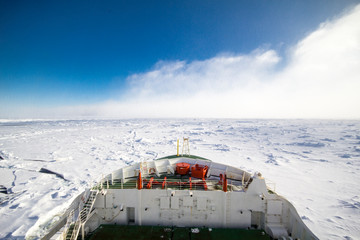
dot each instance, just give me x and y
(181, 197)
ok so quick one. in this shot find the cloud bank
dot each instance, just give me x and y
(320, 79)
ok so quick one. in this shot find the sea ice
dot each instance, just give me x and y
(314, 163)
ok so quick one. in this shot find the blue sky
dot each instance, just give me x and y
(96, 56)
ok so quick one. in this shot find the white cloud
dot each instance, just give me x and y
(217, 87)
(323, 75)
(321, 79)
(220, 73)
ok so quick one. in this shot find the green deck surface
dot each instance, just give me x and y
(174, 233)
(184, 156)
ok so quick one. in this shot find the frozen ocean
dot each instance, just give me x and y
(315, 164)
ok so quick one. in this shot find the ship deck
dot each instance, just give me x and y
(111, 232)
(177, 172)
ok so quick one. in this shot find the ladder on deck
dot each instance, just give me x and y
(228, 208)
(74, 231)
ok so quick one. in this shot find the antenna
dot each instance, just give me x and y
(186, 148)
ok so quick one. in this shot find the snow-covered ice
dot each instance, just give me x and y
(315, 164)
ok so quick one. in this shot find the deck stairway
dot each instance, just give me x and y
(74, 230)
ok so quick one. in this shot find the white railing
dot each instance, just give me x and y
(270, 185)
(69, 220)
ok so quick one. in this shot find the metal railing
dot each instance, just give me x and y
(270, 185)
(177, 184)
